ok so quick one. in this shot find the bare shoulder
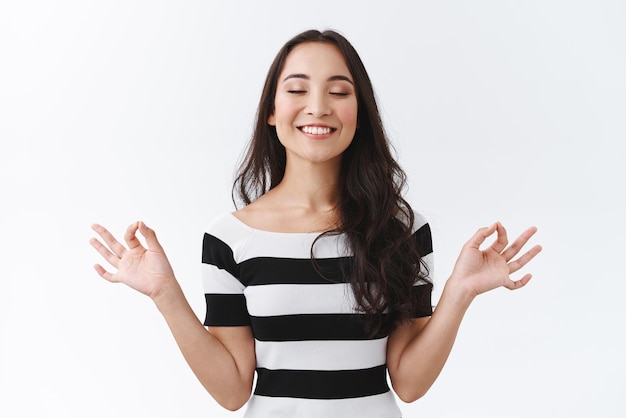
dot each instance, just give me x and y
(259, 214)
(272, 213)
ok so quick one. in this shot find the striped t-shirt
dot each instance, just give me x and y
(313, 356)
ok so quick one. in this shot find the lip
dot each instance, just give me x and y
(317, 125)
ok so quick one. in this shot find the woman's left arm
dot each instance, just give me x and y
(418, 350)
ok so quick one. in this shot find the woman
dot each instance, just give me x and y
(320, 282)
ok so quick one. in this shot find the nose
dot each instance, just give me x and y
(318, 104)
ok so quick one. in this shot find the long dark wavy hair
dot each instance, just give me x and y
(373, 215)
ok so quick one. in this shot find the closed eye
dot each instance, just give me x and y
(296, 91)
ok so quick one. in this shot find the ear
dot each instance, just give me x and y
(271, 120)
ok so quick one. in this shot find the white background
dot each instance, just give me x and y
(115, 111)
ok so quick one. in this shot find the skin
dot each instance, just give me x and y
(315, 89)
(223, 358)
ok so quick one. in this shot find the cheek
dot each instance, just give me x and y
(283, 109)
(348, 115)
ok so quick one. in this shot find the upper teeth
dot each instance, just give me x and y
(315, 130)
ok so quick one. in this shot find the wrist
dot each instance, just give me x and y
(167, 295)
(458, 292)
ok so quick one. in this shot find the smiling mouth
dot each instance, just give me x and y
(317, 130)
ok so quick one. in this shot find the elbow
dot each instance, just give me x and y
(232, 407)
(232, 404)
(232, 401)
(410, 394)
(411, 397)
(230, 396)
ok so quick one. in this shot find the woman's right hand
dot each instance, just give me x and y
(146, 270)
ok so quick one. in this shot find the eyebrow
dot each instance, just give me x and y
(332, 78)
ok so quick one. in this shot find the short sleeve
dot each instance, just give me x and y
(423, 285)
(223, 292)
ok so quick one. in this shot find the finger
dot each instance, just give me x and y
(103, 273)
(131, 236)
(110, 240)
(480, 236)
(524, 259)
(502, 240)
(150, 236)
(104, 252)
(519, 243)
(518, 284)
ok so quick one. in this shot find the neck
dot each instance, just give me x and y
(313, 186)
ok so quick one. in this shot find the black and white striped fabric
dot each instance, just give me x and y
(313, 356)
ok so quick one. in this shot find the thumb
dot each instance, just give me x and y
(480, 236)
(150, 236)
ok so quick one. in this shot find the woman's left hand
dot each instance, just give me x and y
(479, 271)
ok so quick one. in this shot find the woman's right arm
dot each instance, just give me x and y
(222, 358)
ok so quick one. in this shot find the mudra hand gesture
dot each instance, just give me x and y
(479, 271)
(146, 270)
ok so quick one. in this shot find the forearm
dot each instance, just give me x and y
(214, 366)
(424, 356)
(223, 361)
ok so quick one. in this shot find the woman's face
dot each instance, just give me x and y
(315, 108)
